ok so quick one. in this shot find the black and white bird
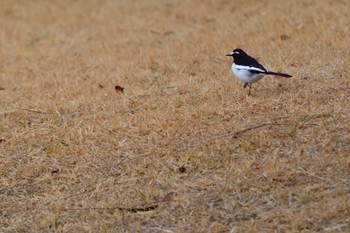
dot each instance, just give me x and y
(249, 70)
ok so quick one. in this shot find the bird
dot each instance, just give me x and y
(248, 69)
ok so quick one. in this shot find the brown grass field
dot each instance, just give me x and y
(181, 148)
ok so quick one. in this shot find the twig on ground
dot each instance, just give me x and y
(235, 134)
(311, 174)
(4, 190)
(145, 208)
(140, 209)
(167, 198)
(8, 112)
(22, 109)
(337, 227)
(77, 194)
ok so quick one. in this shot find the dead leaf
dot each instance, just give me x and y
(119, 88)
(284, 37)
(27, 175)
(170, 196)
(167, 33)
(255, 166)
(55, 171)
(182, 169)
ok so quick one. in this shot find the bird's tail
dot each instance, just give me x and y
(278, 74)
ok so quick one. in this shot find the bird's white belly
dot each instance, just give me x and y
(245, 75)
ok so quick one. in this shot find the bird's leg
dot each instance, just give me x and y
(247, 85)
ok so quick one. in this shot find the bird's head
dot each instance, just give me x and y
(236, 53)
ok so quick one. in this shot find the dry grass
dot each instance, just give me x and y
(76, 156)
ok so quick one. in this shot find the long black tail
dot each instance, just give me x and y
(278, 74)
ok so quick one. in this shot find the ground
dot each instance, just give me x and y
(124, 116)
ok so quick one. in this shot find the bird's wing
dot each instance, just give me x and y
(254, 64)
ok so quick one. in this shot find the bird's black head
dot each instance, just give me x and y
(236, 53)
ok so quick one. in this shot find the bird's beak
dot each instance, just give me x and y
(229, 54)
